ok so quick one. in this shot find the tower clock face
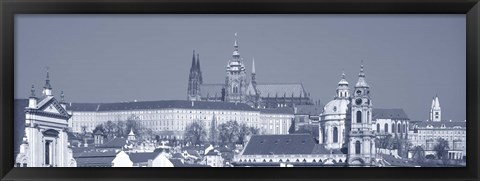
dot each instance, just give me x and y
(358, 101)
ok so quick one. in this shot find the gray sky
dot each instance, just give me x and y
(111, 58)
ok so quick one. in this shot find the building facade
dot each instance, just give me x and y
(170, 118)
(427, 133)
(238, 88)
(45, 141)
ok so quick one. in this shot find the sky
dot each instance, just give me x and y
(408, 59)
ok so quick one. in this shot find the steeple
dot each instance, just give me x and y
(254, 81)
(435, 110)
(236, 54)
(361, 78)
(194, 79)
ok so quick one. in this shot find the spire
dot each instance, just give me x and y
(32, 91)
(200, 79)
(361, 78)
(192, 68)
(47, 82)
(236, 55)
(235, 44)
(437, 103)
(253, 65)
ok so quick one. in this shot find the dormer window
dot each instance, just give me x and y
(443, 125)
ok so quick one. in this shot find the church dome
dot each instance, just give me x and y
(337, 106)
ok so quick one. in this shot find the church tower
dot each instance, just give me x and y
(361, 147)
(236, 79)
(194, 79)
(435, 110)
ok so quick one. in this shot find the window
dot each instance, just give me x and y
(386, 128)
(335, 134)
(359, 117)
(48, 154)
(378, 128)
(357, 147)
(393, 128)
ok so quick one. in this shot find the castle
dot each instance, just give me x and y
(237, 88)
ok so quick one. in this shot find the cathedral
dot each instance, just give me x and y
(238, 88)
(347, 122)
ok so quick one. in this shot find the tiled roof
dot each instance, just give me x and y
(280, 144)
(176, 162)
(115, 143)
(89, 159)
(142, 157)
(281, 89)
(279, 110)
(389, 114)
(312, 110)
(320, 149)
(210, 90)
(83, 107)
(438, 124)
(143, 105)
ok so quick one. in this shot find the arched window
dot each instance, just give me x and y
(393, 128)
(378, 128)
(399, 128)
(386, 128)
(335, 134)
(359, 117)
(357, 147)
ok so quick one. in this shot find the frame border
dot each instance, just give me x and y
(9, 8)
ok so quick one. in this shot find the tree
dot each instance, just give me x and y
(228, 132)
(441, 148)
(110, 129)
(418, 154)
(245, 133)
(213, 134)
(195, 133)
(291, 130)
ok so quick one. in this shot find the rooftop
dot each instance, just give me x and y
(280, 144)
(389, 114)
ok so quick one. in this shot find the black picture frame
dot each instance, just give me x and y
(11, 7)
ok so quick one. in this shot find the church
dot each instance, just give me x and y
(45, 140)
(237, 88)
(346, 136)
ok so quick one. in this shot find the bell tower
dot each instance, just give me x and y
(361, 146)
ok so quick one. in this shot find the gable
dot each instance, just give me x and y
(51, 105)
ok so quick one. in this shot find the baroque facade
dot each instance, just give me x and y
(45, 140)
(237, 87)
(346, 123)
